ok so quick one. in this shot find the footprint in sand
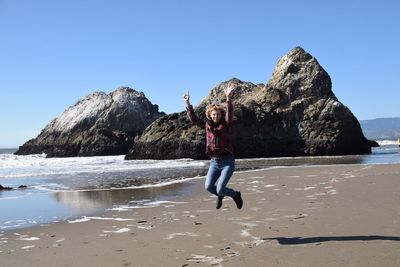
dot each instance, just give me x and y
(305, 188)
(332, 192)
(246, 224)
(314, 196)
(190, 216)
(255, 190)
(296, 216)
(203, 211)
(240, 218)
(245, 233)
(229, 253)
(232, 254)
(28, 247)
(28, 238)
(58, 243)
(255, 177)
(252, 244)
(201, 258)
(173, 235)
(255, 209)
(144, 225)
(121, 230)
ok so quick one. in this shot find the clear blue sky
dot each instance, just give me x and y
(52, 53)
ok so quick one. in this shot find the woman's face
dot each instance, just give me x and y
(216, 115)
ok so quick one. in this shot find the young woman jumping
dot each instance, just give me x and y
(218, 147)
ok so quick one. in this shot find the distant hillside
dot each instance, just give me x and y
(381, 128)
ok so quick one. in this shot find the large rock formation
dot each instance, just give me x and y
(294, 114)
(98, 124)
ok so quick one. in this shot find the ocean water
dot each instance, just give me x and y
(68, 188)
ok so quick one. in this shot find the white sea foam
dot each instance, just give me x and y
(8, 198)
(387, 142)
(15, 224)
(143, 205)
(84, 219)
(87, 219)
(38, 165)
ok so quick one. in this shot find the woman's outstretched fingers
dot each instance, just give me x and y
(229, 89)
(186, 96)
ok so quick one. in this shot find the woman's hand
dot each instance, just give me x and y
(186, 97)
(229, 89)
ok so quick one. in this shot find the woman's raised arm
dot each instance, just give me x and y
(190, 112)
(229, 106)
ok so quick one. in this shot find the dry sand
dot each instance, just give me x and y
(346, 215)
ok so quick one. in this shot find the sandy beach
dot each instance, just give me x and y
(339, 215)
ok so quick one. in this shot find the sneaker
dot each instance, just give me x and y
(238, 200)
(219, 202)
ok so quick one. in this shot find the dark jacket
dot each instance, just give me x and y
(218, 136)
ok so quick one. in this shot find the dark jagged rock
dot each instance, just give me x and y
(5, 187)
(294, 114)
(98, 124)
(373, 143)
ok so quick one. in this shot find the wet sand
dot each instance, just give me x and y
(338, 215)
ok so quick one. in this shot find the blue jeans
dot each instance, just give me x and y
(218, 176)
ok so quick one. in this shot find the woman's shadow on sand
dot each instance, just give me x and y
(320, 239)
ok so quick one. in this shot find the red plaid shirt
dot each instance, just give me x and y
(218, 136)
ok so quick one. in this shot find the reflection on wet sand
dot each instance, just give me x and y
(102, 199)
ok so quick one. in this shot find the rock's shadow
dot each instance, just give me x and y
(320, 239)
